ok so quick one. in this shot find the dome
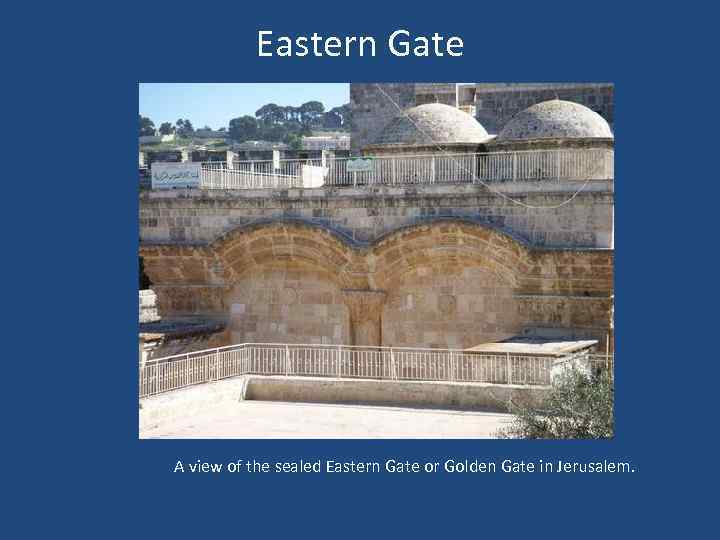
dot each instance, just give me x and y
(432, 123)
(556, 119)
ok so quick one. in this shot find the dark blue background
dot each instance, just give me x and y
(71, 237)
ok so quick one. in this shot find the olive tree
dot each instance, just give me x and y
(578, 406)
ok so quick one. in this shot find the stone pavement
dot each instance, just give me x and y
(265, 419)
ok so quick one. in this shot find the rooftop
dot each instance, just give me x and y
(533, 346)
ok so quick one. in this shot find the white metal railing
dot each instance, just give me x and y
(341, 361)
(252, 175)
(496, 167)
(591, 364)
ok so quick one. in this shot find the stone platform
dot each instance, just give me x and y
(279, 420)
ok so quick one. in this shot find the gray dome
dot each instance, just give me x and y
(556, 119)
(432, 123)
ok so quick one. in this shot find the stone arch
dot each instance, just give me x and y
(285, 282)
(448, 241)
(270, 242)
(449, 283)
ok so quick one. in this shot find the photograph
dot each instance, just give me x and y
(376, 260)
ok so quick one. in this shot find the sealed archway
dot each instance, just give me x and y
(449, 284)
(289, 301)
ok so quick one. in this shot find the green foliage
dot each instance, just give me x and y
(184, 128)
(271, 122)
(345, 114)
(147, 127)
(244, 128)
(294, 141)
(311, 113)
(579, 406)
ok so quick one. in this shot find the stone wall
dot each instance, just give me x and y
(446, 306)
(288, 303)
(464, 396)
(445, 93)
(443, 283)
(162, 410)
(372, 110)
(365, 214)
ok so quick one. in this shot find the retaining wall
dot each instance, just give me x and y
(170, 406)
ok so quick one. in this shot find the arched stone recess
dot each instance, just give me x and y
(285, 283)
(450, 242)
(449, 284)
(269, 242)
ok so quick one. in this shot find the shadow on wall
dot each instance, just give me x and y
(145, 282)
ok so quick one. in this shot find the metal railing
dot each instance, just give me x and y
(591, 364)
(496, 167)
(342, 361)
(252, 175)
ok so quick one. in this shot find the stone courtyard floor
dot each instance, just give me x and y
(274, 420)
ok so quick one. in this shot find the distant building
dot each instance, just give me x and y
(156, 139)
(210, 134)
(331, 141)
(260, 150)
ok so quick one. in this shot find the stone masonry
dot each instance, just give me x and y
(372, 110)
(365, 214)
(446, 282)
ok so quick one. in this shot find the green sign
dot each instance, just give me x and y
(360, 165)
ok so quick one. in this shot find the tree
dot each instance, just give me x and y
(270, 114)
(275, 122)
(310, 112)
(147, 127)
(293, 140)
(332, 119)
(166, 128)
(184, 128)
(345, 112)
(578, 406)
(244, 128)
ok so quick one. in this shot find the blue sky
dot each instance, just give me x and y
(214, 104)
